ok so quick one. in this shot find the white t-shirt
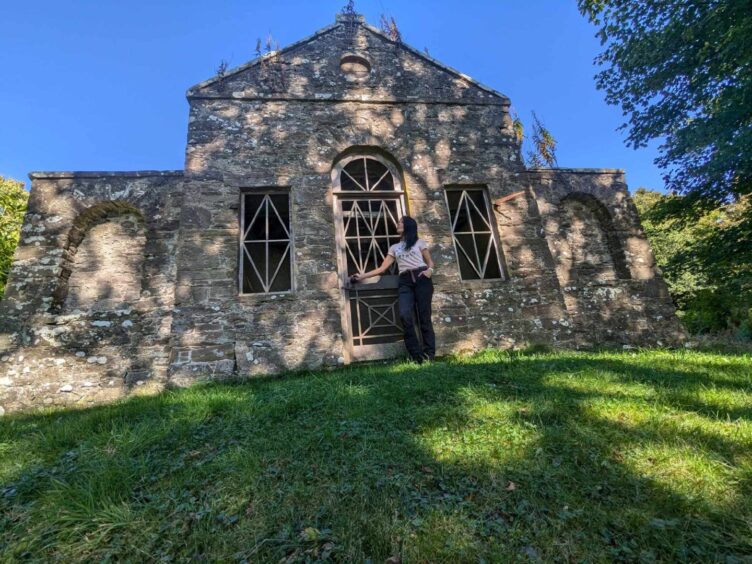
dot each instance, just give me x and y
(408, 259)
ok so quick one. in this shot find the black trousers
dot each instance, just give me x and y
(415, 293)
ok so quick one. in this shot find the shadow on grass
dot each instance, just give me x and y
(497, 457)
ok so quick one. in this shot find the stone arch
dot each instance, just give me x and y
(368, 151)
(103, 259)
(591, 247)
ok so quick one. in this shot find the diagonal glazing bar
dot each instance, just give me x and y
(368, 219)
(475, 242)
(266, 201)
(250, 223)
(279, 217)
(491, 246)
(356, 260)
(253, 264)
(467, 256)
(379, 316)
(457, 211)
(356, 182)
(281, 262)
(483, 214)
(383, 176)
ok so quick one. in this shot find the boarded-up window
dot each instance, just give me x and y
(107, 267)
(266, 255)
(472, 230)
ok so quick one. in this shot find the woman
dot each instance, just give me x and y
(415, 287)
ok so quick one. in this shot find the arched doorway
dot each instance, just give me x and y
(369, 199)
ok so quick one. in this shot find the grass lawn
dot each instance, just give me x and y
(496, 457)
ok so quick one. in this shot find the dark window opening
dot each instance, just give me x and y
(472, 232)
(266, 258)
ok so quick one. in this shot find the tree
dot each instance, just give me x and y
(681, 70)
(543, 152)
(13, 200)
(706, 263)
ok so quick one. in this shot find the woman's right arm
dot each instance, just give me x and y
(388, 261)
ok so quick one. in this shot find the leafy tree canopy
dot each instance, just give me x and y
(13, 199)
(681, 70)
(706, 263)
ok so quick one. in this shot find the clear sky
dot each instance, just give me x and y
(100, 84)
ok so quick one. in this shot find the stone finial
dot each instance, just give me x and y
(348, 10)
(348, 13)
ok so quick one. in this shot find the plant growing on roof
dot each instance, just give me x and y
(390, 29)
(221, 73)
(272, 64)
(543, 151)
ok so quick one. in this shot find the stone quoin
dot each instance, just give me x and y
(298, 166)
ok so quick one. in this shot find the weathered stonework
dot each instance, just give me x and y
(129, 281)
(88, 311)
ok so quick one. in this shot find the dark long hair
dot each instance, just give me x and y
(410, 232)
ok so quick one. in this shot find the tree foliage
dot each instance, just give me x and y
(13, 200)
(707, 263)
(543, 151)
(681, 70)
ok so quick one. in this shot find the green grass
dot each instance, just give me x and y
(496, 457)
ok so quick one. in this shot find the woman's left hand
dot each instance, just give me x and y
(427, 273)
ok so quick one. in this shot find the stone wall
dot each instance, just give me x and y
(441, 131)
(611, 286)
(106, 267)
(87, 312)
(129, 281)
(243, 136)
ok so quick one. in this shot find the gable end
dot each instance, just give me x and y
(314, 69)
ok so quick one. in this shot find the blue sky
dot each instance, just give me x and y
(100, 85)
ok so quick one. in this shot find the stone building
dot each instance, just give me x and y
(298, 166)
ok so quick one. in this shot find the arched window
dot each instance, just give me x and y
(371, 201)
(367, 174)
